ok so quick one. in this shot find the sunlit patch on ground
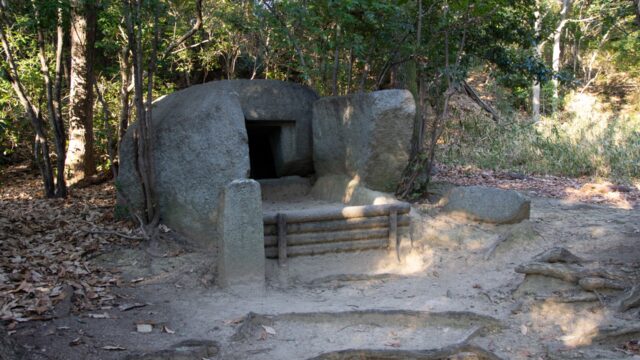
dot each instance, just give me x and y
(413, 262)
(604, 192)
(577, 327)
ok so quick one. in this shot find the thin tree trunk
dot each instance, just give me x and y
(58, 126)
(419, 123)
(56, 122)
(41, 145)
(143, 134)
(594, 55)
(148, 113)
(365, 75)
(557, 36)
(112, 141)
(197, 25)
(125, 91)
(336, 63)
(350, 71)
(293, 40)
(80, 156)
(535, 99)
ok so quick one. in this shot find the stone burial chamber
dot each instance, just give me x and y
(211, 142)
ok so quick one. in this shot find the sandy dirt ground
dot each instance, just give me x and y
(452, 289)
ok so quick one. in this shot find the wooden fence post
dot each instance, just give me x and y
(282, 239)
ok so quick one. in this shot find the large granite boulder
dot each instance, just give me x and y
(487, 204)
(364, 136)
(284, 108)
(199, 144)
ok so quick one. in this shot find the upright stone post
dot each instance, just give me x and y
(241, 258)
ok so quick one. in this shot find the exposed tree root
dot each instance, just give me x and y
(561, 264)
(569, 298)
(629, 299)
(457, 351)
(614, 332)
(492, 249)
(597, 283)
(564, 272)
(558, 254)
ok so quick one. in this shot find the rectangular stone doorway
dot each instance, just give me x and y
(264, 136)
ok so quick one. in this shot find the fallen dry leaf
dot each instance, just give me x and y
(45, 248)
(234, 321)
(144, 328)
(269, 330)
(127, 307)
(99, 316)
(165, 329)
(113, 348)
(77, 341)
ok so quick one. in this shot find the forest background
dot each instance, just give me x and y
(556, 82)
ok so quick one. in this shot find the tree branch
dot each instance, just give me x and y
(196, 26)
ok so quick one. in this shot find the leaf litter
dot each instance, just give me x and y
(46, 245)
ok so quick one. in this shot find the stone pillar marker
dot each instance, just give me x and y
(241, 258)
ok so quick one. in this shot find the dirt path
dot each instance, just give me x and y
(447, 291)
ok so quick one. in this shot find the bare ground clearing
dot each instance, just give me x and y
(454, 291)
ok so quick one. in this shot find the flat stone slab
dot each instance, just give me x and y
(487, 204)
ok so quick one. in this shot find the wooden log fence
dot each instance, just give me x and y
(320, 231)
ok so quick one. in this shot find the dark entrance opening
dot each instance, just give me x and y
(263, 135)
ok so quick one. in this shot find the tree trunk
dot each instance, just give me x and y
(336, 63)
(535, 100)
(557, 36)
(80, 157)
(350, 71)
(419, 124)
(41, 144)
(125, 91)
(58, 123)
(53, 98)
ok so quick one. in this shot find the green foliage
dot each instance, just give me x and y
(367, 44)
(576, 147)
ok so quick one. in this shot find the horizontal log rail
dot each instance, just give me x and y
(318, 249)
(338, 225)
(320, 231)
(349, 212)
(327, 237)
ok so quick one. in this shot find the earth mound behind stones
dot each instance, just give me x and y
(487, 204)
